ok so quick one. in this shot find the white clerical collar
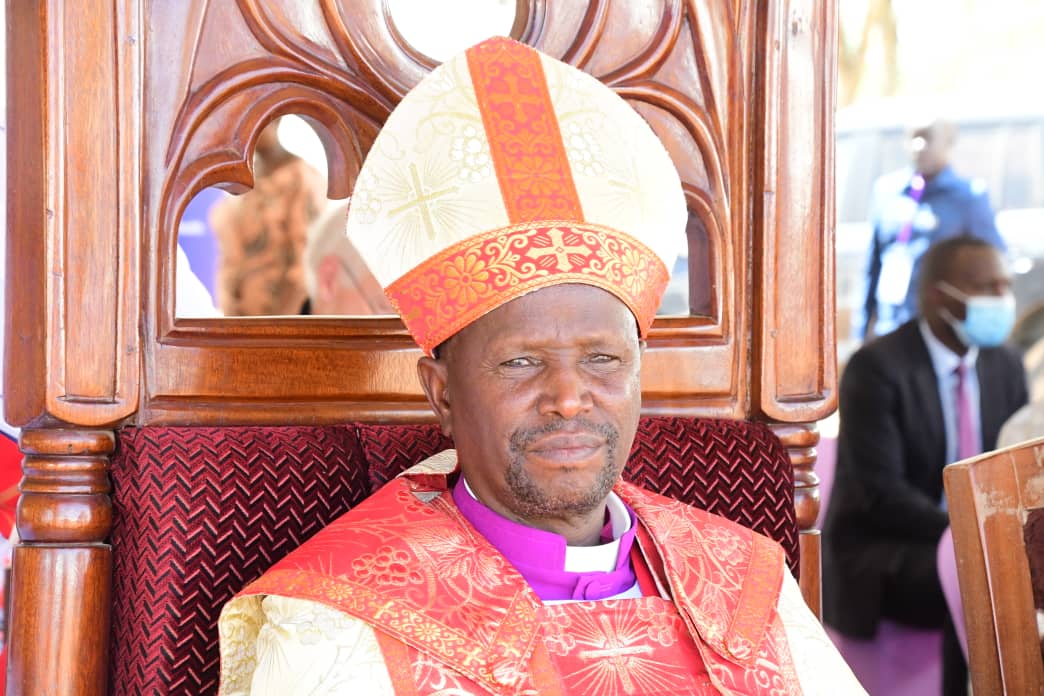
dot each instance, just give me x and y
(602, 557)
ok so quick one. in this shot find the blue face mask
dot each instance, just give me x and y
(988, 319)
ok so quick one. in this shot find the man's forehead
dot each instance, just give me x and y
(921, 132)
(975, 264)
(935, 129)
(578, 311)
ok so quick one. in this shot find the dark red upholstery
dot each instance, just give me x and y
(200, 512)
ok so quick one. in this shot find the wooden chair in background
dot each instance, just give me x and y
(989, 498)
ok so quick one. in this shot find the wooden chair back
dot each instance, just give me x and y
(122, 112)
(989, 499)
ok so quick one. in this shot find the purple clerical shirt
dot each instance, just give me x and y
(540, 556)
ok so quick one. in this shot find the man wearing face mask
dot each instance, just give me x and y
(912, 209)
(932, 392)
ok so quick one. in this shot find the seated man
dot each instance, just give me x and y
(528, 267)
(932, 392)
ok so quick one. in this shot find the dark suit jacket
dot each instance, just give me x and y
(891, 451)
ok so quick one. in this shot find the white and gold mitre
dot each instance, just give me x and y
(505, 171)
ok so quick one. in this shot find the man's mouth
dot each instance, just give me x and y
(566, 448)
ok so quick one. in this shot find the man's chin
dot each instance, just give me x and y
(558, 500)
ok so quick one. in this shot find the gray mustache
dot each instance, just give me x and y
(521, 439)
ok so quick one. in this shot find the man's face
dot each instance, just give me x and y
(542, 398)
(930, 148)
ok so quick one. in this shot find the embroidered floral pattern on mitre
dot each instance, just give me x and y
(450, 290)
(584, 152)
(366, 202)
(471, 153)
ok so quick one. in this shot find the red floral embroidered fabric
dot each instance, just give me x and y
(420, 574)
(455, 287)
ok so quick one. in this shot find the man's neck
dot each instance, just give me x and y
(934, 176)
(942, 330)
(582, 529)
(555, 570)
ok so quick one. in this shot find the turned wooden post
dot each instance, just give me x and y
(62, 584)
(71, 353)
(795, 370)
(801, 439)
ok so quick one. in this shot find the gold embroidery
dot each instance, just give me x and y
(451, 289)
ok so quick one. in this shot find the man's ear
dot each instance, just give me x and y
(434, 379)
(935, 299)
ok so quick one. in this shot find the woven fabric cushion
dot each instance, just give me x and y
(200, 512)
(737, 469)
(390, 447)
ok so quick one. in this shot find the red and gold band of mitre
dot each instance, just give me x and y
(505, 171)
(457, 286)
(525, 141)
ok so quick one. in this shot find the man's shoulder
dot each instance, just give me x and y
(893, 351)
(894, 182)
(1003, 352)
(661, 513)
(950, 183)
(1005, 359)
(401, 514)
(688, 541)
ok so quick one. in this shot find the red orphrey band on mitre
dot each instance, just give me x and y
(505, 171)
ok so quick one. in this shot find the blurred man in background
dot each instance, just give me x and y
(934, 391)
(337, 279)
(913, 209)
(261, 234)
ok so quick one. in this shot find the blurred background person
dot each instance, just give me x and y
(337, 279)
(932, 392)
(261, 234)
(897, 59)
(913, 208)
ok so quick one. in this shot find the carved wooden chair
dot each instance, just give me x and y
(989, 499)
(169, 460)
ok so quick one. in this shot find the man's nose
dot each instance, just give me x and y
(566, 392)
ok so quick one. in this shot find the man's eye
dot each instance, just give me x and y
(603, 358)
(518, 362)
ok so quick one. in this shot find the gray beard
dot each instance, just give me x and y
(533, 502)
